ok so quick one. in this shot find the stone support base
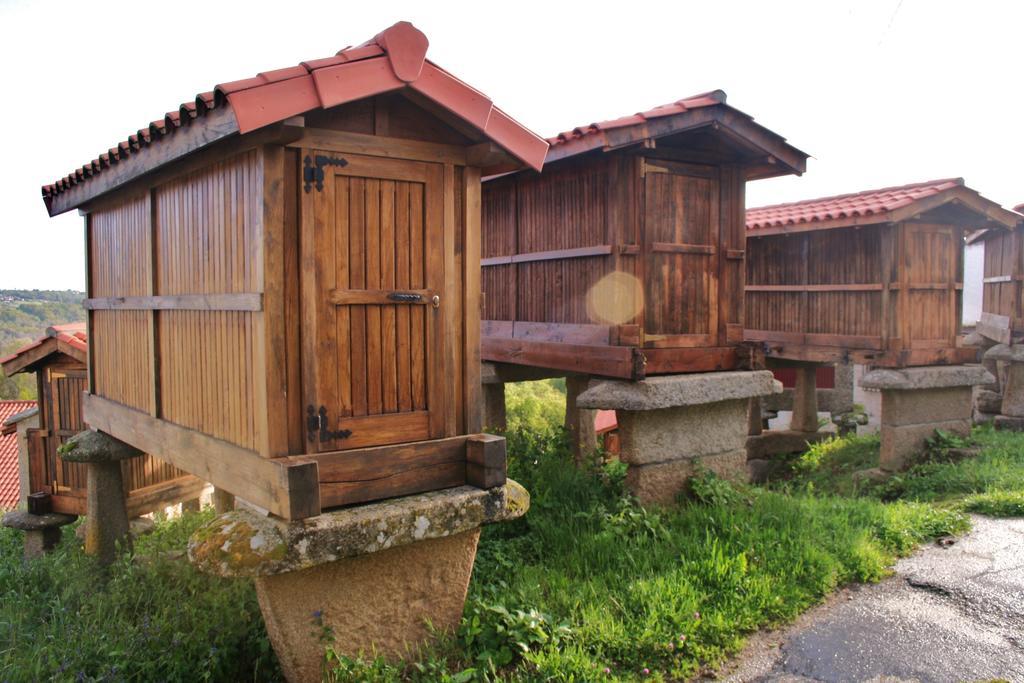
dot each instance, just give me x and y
(671, 427)
(388, 603)
(383, 577)
(1009, 424)
(42, 532)
(106, 515)
(918, 401)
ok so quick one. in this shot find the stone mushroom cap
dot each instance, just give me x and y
(673, 391)
(243, 543)
(90, 446)
(1006, 352)
(927, 377)
(26, 521)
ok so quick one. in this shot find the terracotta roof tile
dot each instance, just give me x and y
(10, 486)
(709, 99)
(278, 94)
(854, 205)
(72, 334)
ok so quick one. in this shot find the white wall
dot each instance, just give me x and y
(974, 273)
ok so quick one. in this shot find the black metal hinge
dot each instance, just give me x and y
(316, 424)
(313, 170)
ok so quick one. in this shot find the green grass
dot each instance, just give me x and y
(148, 617)
(588, 586)
(990, 483)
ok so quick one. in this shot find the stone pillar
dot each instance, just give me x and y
(918, 401)
(387, 577)
(755, 421)
(1011, 407)
(805, 399)
(579, 422)
(671, 426)
(223, 501)
(494, 407)
(106, 513)
(42, 532)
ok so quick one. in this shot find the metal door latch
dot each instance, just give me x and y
(316, 423)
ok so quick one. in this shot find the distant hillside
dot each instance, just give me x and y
(24, 316)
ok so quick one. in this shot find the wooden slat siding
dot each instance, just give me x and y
(120, 266)
(498, 238)
(210, 242)
(89, 293)
(1000, 291)
(932, 275)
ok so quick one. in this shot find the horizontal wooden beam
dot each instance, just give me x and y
(554, 255)
(672, 361)
(675, 248)
(289, 490)
(866, 287)
(247, 301)
(564, 333)
(380, 146)
(151, 498)
(348, 477)
(605, 361)
(999, 278)
(380, 297)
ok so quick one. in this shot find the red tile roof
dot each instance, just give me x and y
(866, 204)
(392, 60)
(10, 486)
(708, 99)
(605, 421)
(72, 337)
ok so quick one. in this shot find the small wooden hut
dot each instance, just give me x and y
(874, 276)
(624, 258)
(1002, 307)
(59, 363)
(283, 278)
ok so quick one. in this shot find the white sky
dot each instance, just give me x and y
(879, 93)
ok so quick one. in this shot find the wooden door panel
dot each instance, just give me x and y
(932, 298)
(681, 228)
(371, 315)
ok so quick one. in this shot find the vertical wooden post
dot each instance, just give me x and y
(805, 399)
(579, 422)
(450, 320)
(152, 289)
(471, 309)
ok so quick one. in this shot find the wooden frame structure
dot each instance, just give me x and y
(624, 258)
(876, 276)
(283, 279)
(1002, 308)
(59, 362)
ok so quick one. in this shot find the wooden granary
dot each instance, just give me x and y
(875, 277)
(624, 258)
(1002, 307)
(59, 362)
(283, 279)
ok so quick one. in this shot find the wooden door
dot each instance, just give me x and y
(931, 285)
(372, 291)
(681, 254)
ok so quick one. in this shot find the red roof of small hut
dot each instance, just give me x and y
(394, 59)
(10, 482)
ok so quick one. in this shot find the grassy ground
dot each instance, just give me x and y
(587, 586)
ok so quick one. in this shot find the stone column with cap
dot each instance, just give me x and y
(1011, 403)
(671, 426)
(764, 448)
(385, 577)
(106, 512)
(918, 401)
(42, 532)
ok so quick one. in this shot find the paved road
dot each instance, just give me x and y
(950, 613)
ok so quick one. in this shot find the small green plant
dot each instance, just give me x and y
(938, 445)
(497, 635)
(709, 489)
(996, 503)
